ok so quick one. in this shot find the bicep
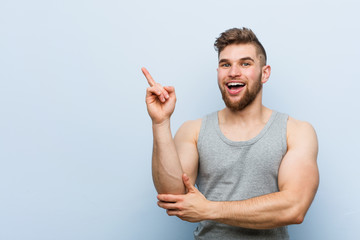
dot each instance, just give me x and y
(298, 172)
(186, 146)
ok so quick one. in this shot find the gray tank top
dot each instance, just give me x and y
(230, 171)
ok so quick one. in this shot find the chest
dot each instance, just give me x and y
(224, 160)
(238, 133)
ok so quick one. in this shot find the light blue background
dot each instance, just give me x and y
(75, 137)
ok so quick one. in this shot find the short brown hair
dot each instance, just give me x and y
(238, 36)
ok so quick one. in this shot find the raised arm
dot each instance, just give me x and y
(167, 166)
(298, 181)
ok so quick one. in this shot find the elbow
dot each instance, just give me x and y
(299, 219)
(289, 220)
(296, 216)
(295, 211)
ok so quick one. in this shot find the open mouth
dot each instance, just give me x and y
(235, 87)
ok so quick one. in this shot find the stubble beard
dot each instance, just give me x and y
(248, 97)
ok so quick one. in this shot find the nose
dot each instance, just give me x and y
(234, 71)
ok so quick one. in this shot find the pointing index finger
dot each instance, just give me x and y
(148, 77)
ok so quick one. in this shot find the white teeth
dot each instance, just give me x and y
(233, 84)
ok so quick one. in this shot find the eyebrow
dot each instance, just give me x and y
(241, 59)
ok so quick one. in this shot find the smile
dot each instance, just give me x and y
(234, 87)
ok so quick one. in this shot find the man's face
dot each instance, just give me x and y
(240, 75)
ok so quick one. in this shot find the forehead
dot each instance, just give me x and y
(237, 51)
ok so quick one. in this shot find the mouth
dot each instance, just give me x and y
(235, 87)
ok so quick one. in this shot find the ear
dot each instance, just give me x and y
(266, 71)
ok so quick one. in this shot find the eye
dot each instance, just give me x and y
(225, 65)
(245, 64)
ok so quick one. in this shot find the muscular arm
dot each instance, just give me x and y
(298, 181)
(171, 158)
(166, 166)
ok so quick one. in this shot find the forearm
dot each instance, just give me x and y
(264, 212)
(166, 166)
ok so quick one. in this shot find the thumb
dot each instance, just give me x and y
(187, 183)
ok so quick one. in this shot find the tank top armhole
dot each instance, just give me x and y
(201, 132)
(284, 138)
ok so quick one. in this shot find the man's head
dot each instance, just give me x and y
(242, 68)
(240, 36)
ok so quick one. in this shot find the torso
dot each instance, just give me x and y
(237, 170)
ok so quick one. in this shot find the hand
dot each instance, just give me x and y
(191, 207)
(160, 101)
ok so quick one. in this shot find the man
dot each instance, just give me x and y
(255, 168)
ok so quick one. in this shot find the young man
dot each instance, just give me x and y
(255, 168)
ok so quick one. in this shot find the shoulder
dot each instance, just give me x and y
(193, 124)
(295, 127)
(300, 133)
(189, 130)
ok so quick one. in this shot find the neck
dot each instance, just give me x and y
(253, 114)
